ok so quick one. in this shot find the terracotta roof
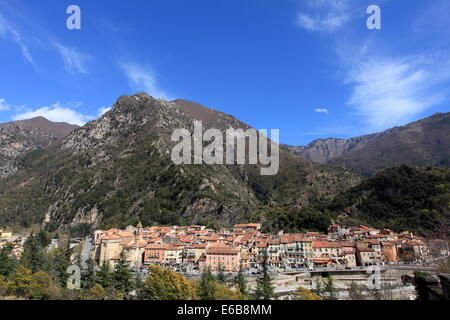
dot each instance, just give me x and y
(198, 246)
(326, 244)
(222, 250)
(111, 237)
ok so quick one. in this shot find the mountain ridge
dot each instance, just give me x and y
(117, 170)
(20, 137)
(420, 143)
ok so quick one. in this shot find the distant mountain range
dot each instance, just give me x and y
(423, 143)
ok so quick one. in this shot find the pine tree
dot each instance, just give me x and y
(207, 287)
(103, 276)
(221, 275)
(241, 281)
(33, 256)
(61, 262)
(326, 290)
(330, 290)
(122, 276)
(7, 263)
(88, 274)
(44, 238)
(355, 292)
(264, 287)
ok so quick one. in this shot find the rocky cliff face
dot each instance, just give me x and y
(423, 143)
(20, 137)
(117, 170)
(323, 150)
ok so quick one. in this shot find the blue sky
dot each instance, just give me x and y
(310, 68)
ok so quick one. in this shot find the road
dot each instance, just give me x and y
(84, 256)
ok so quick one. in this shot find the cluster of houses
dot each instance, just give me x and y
(8, 237)
(192, 248)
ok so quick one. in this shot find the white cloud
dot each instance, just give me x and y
(142, 79)
(321, 110)
(57, 113)
(102, 111)
(324, 15)
(9, 32)
(393, 92)
(4, 105)
(74, 60)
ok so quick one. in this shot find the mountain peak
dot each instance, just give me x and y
(23, 136)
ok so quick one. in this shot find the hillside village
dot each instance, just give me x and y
(195, 248)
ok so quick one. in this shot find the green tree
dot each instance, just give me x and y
(221, 275)
(4, 286)
(103, 276)
(97, 292)
(206, 289)
(326, 290)
(163, 284)
(61, 262)
(222, 292)
(7, 262)
(305, 294)
(420, 284)
(122, 276)
(33, 256)
(44, 238)
(241, 282)
(355, 292)
(21, 280)
(88, 274)
(40, 286)
(209, 288)
(264, 287)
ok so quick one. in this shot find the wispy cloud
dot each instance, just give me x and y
(74, 60)
(4, 105)
(57, 112)
(321, 110)
(8, 31)
(103, 110)
(324, 15)
(387, 88)
(389, 91)
(141, 78)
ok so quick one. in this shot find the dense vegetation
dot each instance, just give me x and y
(404, 198)
(117, 170)
(41, 274)
(422, 143)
